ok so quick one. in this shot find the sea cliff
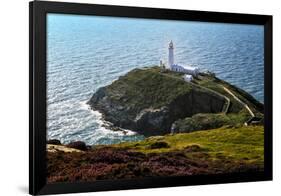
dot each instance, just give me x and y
(154, 101)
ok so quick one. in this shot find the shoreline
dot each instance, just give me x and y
(106, 124)
(108, 127)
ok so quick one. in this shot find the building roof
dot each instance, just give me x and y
(185, 67)
(190, 67)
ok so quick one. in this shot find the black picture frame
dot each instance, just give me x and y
(37, 96)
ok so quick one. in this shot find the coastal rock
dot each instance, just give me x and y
(54, 141)
(148, 101)
(52, 148)
(150, 118)
(78, 145)
(152, 102)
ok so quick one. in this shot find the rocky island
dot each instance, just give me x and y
(155, 101)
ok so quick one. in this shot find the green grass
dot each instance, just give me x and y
(217, 151)
(156, 87)
(242, 143)
(152, 89)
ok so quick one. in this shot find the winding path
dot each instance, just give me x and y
(226, 108)
(239, 100)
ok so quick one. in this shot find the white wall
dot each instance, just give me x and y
(14, 95)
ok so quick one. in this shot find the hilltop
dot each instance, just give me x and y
(153, 101)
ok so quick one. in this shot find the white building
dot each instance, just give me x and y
(194, 71)
(191, 70)
(187, 77)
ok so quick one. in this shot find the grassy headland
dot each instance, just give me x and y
(154, 101)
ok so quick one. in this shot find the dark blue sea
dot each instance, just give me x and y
(88, 52)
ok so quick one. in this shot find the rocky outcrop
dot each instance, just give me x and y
(53, 148)
(77, 145)
(152, 101)
(54, 141)
(149, 101)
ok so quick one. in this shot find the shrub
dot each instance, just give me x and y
(156, 145)
(192, 148)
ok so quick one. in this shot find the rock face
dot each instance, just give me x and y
(77, 145)
(148, 101)
(54, 141)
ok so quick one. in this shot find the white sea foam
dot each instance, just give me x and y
(102, 122)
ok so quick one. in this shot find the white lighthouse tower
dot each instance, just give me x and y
(171, 55)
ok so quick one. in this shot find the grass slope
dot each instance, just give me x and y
(224, 150)
(241, 143)
(147, 88)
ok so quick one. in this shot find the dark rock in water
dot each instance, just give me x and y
(78, 145)
(54, 141)
(149, 101)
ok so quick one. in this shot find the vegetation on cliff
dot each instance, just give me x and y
(209, 121)
(223, 150)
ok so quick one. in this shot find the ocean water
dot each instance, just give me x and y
(88, 52)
